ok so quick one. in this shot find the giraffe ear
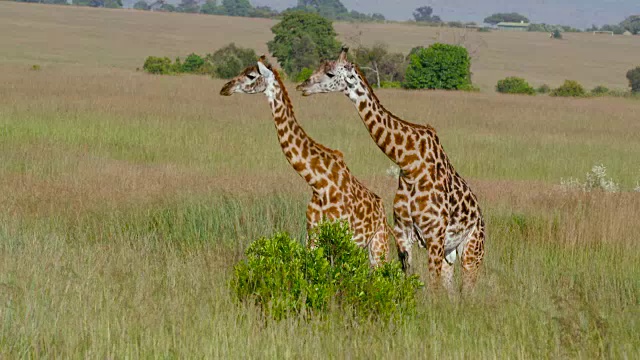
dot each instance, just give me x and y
(264, 71)
(343, 54)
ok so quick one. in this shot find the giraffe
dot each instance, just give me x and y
(433, 203)
(337, 194)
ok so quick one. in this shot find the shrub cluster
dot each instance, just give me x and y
(514, 85)
(570, 88)
(225, 63)
(283, 278)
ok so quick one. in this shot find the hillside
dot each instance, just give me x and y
(123, 38)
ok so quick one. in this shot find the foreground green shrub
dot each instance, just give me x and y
(634, 79)
(514, 85)
(157, 65)
(569, 88)
(284, 278)
(440, 66)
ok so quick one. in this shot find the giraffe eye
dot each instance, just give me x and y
(251, 77)
(330, 75)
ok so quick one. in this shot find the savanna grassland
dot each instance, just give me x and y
(126, 198)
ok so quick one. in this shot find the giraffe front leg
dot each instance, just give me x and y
(314, 216)
(472, 255)
(430, 230)
(403, 232)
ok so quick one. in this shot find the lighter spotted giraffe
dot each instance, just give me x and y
(337, 194)
(433, 204)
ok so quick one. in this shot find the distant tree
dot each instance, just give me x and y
(377, 17)
(189, 6)
(141, 5)
(264, 12)
(211, 7)
(230, 60)
(237, 7)
(331, 9)
(168, 7)
(425, 14)
(616, 29)
(634, 79)
(505, 17)
(632, 24)
(379, 65)
(556, 34)
(301, 40)
(99, 3)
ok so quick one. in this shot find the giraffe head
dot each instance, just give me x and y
(254, 79)
(331, 76)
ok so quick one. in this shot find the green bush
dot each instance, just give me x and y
(543, 89)
(600, 90)
(157, 65)
(440, 66)
(568, 89)
(192, 64)
(283, 278)
(230, 60)
(514, 85)
(634, 79)
(556, 34)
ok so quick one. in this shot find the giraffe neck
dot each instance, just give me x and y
(294, 141)
(384, 127)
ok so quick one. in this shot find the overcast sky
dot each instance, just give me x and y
(579, 13)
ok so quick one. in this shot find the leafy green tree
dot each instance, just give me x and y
(616, 29)
(632, 24)
(440, 66)
(141, 5)
(425, 14)
(192, 64)
(634, 79)
(505, 17)
(301, 40)
(230, 60)
(237, 7)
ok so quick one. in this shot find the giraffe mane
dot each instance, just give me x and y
(375, 97)
(366, 82)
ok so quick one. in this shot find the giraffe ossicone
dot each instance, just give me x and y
(434, 205)
(336, 193)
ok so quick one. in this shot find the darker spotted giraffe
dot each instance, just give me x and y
(337, 194)
(433, 205)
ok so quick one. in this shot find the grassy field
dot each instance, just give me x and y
(125, 199)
